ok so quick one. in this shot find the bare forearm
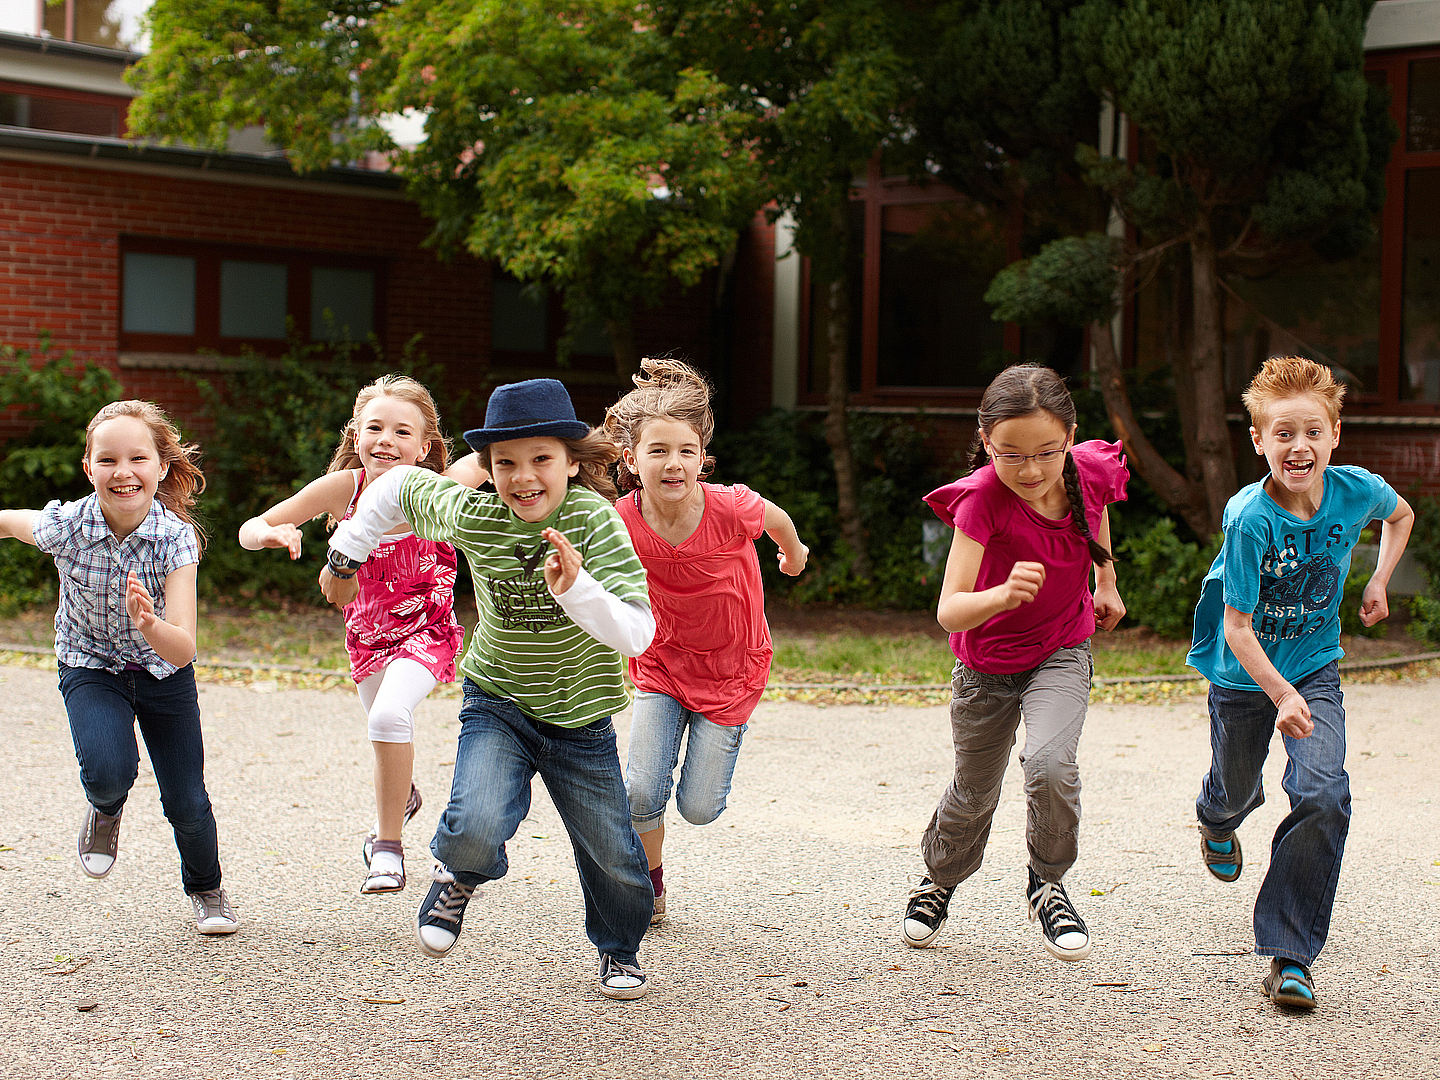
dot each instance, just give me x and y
(967, 610)
(1251, 654)
(173, 644)
(1394, 536)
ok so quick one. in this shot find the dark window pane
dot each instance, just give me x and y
(517, 315)
(52, 114)
(1422, 125)
(936, 262)
(342, 304)
(1327, 311)
(1420, 328)
(252, 300)
(159, 294)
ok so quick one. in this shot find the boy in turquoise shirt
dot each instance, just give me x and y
(1267, 636)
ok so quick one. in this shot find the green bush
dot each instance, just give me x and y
(784, 458)
(1159, 578)
(57, 401)
(275, 423)
(1424, 547)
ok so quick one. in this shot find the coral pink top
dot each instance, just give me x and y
(406, 606)
(1062, 615)
(712, 645)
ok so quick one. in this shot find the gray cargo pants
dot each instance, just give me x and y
(985, 711)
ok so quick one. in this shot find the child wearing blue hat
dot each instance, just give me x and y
(561, 597)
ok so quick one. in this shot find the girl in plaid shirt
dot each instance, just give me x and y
(125, 638)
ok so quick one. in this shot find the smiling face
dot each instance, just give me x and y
(531, 476)
(1038, 481)
(667, 458)
(1296, 437)
(123, 464)
(388, 432)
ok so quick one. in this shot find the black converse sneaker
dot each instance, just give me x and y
(1065, 935)
(438, 924)
(926, 913)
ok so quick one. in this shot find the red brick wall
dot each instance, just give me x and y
(59, 261)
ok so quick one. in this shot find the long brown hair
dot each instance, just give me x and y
(1023, 389)
(183, 479)
(406, 389)
(665, 389)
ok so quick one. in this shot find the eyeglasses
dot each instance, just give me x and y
(1045, 457)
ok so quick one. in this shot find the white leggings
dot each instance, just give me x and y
(390, 696)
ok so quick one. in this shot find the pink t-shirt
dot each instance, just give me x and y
(406, 606)
(1062, 615)
(712, 645)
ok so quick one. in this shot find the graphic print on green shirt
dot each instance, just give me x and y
(524, 647)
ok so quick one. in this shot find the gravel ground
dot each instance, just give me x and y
(780, 957)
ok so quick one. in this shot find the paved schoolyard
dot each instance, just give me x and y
(780, 958)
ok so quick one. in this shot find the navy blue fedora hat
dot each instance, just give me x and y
(527, 410)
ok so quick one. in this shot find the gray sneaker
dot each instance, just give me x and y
(99, 842)
(213, 913)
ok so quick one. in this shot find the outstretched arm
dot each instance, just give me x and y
(278, 527)
(468, 471)
(1394, 535)
(778, 526)
(18, 524)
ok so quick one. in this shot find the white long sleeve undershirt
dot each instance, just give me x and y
(626, 627)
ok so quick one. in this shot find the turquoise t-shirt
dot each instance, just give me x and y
(1288, 573)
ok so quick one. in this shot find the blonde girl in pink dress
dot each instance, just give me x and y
(400, 630)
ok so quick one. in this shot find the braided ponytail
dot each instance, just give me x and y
(1098, 555)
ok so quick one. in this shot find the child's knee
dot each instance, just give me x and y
(108, 783)
(391, 724)
(699, 813)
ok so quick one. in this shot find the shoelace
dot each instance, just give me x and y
(214, 904)
(1051, 904)
(614, 967)
(450, 904)
(931, 899)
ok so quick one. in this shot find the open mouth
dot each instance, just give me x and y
(128, 489)
(528, 498)
(1298, 469)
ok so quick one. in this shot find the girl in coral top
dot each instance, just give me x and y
(707, 667)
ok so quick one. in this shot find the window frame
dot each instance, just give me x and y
(208, 257)
(1396, 65)
(876, 193)
(119, 103)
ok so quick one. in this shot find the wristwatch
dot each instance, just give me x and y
(341, 565)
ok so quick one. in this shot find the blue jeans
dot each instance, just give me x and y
(657, 724)
(103, 708)
(500, 751)
(1292, 910)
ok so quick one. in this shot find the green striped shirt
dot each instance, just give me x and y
(525, 647)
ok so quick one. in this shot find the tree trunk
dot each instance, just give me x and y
(1185, 498)
(837, 429)
(1212, 434)
(622, 340)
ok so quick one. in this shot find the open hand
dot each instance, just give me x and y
(563, 564)
(283, 535)
(139, 604)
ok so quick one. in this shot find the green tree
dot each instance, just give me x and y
(1264, 135)
(824, 84)
(562, 141)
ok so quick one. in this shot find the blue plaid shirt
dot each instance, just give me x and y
(92, 627)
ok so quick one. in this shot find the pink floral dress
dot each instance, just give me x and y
(406, 606)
